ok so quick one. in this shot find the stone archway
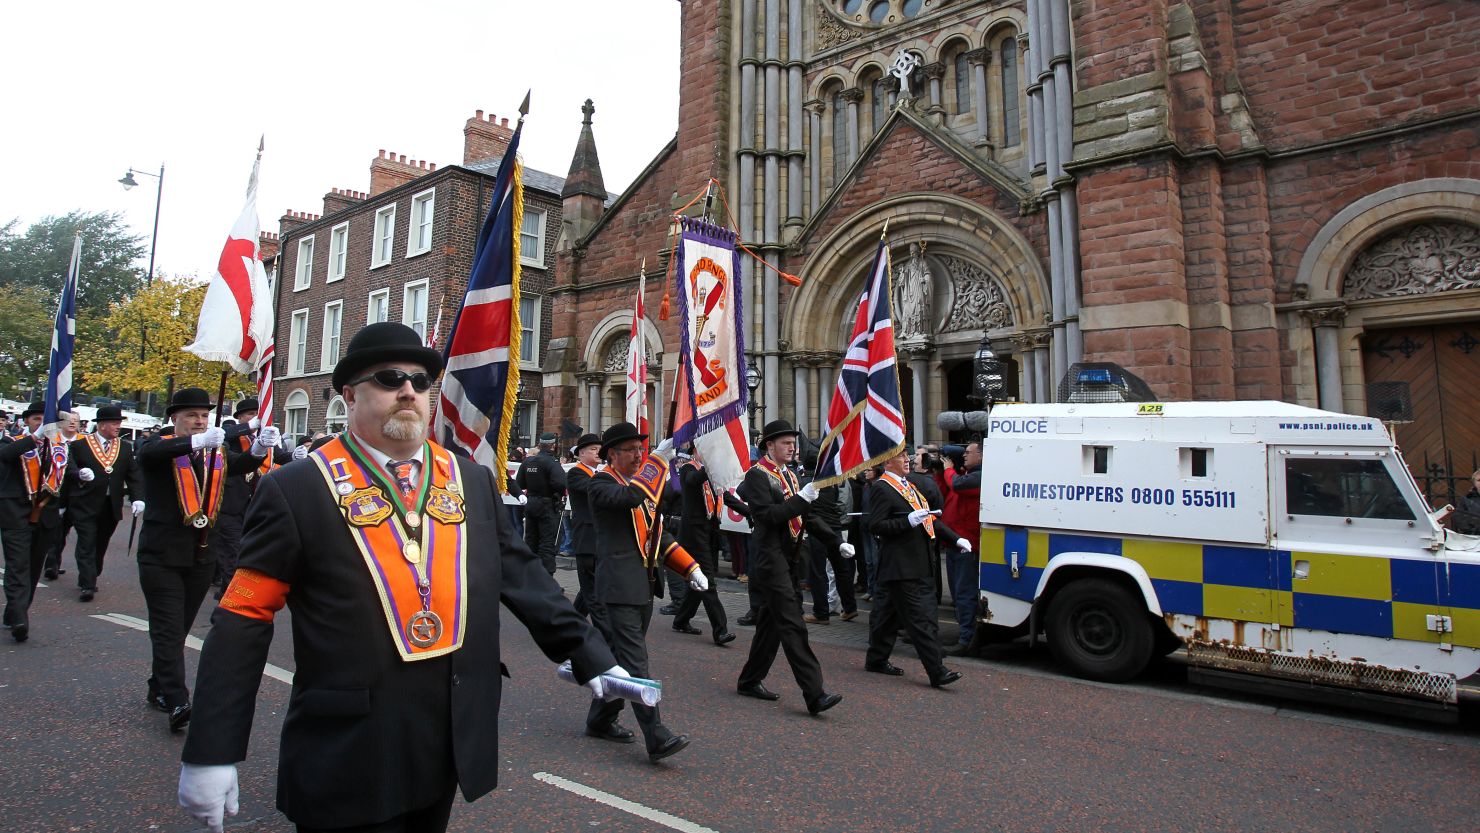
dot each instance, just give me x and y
(603, 380)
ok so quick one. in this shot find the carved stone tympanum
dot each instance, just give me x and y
(1417, 260)
(978, 302)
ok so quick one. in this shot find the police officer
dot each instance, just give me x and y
(542, 480)
(96, 507)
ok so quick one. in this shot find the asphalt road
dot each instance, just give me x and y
(1015, 746)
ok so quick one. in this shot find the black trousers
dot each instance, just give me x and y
(173, 596)
(226, 546)
(822, 555)
(430, 819)
(26, 546)
(628, 638)
(909, 603)
(778, 623)
(93, 534)
(541, 525)
(58, 543)
(712, 607)
(587, 598)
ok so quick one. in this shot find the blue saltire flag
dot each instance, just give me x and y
(59, 375)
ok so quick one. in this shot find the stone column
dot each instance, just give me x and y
(592, 383)
(801, 401)
(816, 385)
(852, 96)
(815, 108)
(932, 73)
(827, 372)
(919, 358)
(980, 59)
(1022, 346)
(1327, 321)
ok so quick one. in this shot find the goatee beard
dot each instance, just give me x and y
(403, 428)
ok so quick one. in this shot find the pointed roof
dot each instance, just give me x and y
(585, 168)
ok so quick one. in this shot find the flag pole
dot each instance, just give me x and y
(205, 532)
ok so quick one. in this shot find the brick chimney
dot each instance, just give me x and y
(485, 138)
(339, 199)
(391, 170)
(293, 219)
(268, 245)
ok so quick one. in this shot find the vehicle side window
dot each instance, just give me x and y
(1343, 489)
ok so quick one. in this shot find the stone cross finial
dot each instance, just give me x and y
(904, 63)
(588, 110)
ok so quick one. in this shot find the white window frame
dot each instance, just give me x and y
(536, 260)
(297, 341)
(406, 306)
(423, 212)
(385, 232)
(329, 345)
(384, 294)
(338, 252)
(531, 329)
(303, 266)
(295, 414)
(337, 403)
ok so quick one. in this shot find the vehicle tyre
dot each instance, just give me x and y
(1099, 630)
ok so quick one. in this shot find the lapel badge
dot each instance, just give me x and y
(444, 506)
(365, 507)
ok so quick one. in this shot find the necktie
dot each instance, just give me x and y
(402, 470)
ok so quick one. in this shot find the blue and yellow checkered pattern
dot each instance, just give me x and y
(1370, 596)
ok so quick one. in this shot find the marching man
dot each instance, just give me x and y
(33, 470)
(96, 507)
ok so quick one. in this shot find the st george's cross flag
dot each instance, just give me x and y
(480, 388)
(865, 422)
(236, 318)
(59, 374)
(635, 410)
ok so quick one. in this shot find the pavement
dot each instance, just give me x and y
(1014, 746)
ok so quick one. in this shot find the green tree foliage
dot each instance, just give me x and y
(25, 338)
(38, 259)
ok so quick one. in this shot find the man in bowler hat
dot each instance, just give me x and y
(33, 472)
(96, 507)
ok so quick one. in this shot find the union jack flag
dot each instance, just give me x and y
(865, 422)
(480, 388)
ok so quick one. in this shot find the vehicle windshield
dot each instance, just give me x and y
(1343, 488)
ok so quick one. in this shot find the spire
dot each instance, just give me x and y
(585, 168)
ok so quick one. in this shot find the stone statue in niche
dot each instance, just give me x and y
(978, 302)
(1417, 260)
(913, 288)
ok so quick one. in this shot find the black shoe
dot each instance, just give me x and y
(686, 628)
(156, 701)
(179, 718)
(945, 677)
(886, 668)
(87, 595)
(50, 574)
(668, 609)
(724, 638)
(958, 650)
(668, 747)
(20, 633)
(823, 703)
(613, 731)
(758, 691)
(745, 621)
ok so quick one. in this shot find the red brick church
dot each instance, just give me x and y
(1233, 198)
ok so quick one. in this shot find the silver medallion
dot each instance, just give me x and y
(344, 488)
(424, 629)
(200, 522)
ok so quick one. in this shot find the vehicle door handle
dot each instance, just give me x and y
(1302, 569)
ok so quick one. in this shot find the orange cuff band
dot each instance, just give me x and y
(255, 595)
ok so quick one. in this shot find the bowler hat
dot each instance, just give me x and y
(385, 341)
(248, 404)
(37, 407)
(547, 438)
(585, 440)
(109, 413)
(777, 428)
(188, 398)
(619, 433)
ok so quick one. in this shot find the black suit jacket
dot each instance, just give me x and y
(582, 527)
(770, 512)
(15, 504)
(697, 528)
(164, 537)
(622, 576)
(904, 550)
(238, 487)
(368, 736)
(105, 493)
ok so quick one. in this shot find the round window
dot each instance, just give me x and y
(912, 7)
(878, 11)
(852, 6)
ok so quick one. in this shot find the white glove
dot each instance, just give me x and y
(210, 438)
(254, 423)
(299, 452)
(845, 549)
(664, 450)
(138, 507)
(698, 581)
(85, 475)
(267, 439)
(963, 545)
(523, 500)
(209, 793)
(809, 492)
(918, 516)
(598, 691)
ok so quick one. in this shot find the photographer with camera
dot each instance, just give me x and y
(925, 469)
(961, 485)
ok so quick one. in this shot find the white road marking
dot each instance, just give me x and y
(193, 642)
(617, 802)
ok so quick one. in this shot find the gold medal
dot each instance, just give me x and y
(412, 551)
(424, 628)
(413, 520)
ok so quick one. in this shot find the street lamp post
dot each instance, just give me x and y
(128, 182)
(753, 382)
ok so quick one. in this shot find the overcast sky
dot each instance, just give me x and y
(97, 88)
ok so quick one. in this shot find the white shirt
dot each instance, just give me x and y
(384, 460)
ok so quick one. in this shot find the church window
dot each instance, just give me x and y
(878, 11)
(879, 101)
(1011, 129)
(839, 136)
(962, 70)
(912, 7)
(852, 6)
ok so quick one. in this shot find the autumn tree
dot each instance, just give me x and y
(38, 259)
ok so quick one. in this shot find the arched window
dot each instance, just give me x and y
(878, 102)
(1011, 129)
(337, 418)
(839, 135)
(961, 75)
(295, 410)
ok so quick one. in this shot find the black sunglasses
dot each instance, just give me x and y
(392, 378)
